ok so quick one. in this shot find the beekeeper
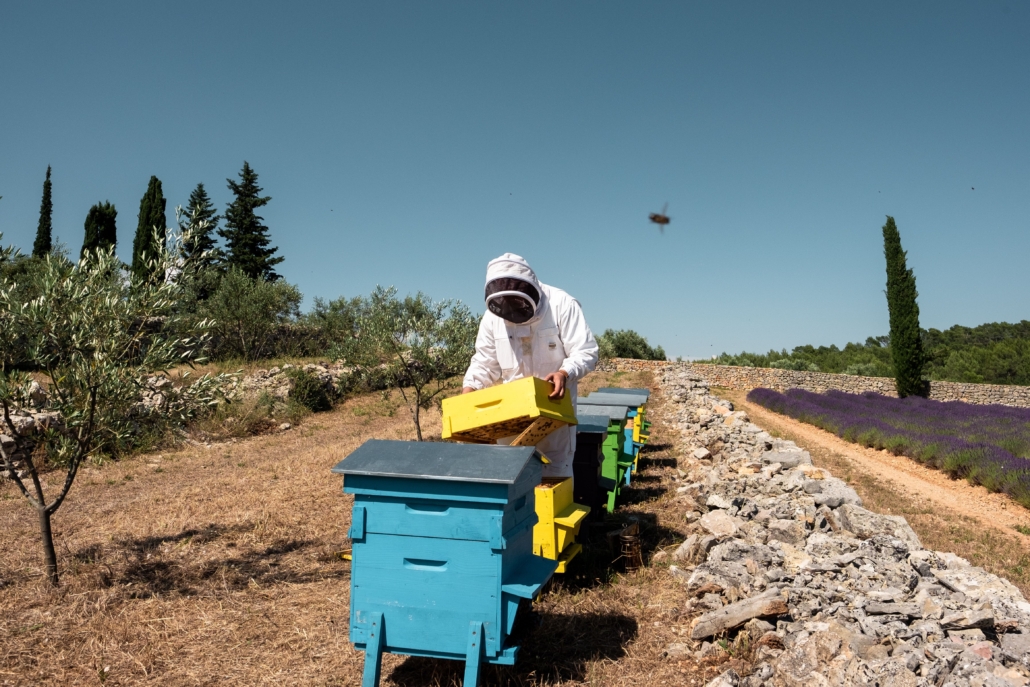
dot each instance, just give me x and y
(532, 330)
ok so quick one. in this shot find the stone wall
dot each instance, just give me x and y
(747, 378)
(787, 579)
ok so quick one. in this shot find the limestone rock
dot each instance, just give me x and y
(719, 523)
(730, 678)
(788, 531)
(787, 460)
(865, 524)
(736, 614)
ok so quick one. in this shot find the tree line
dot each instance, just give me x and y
(994, 353)
(246, 238)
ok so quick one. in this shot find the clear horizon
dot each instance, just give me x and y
(407, 144)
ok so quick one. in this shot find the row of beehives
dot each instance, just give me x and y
(450, 539)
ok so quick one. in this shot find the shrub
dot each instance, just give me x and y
(310, 391)
(799, 364)
(248, 313)
(626, 343)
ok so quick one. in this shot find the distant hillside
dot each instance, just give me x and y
(995, 353)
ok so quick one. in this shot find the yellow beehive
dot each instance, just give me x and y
(506, 410)
(638, 425)
(558, 522)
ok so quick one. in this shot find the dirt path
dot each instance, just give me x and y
(915, 479)
(948, 514)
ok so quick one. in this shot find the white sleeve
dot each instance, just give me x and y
(484, 370)
(580, 345)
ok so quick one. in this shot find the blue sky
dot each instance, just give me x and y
(409, 143)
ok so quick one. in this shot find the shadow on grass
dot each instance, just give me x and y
(601, 560)
(555, 647)
(148, 567)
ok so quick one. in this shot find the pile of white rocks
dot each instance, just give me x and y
(785, 565)
(29, 423)
(278, 382)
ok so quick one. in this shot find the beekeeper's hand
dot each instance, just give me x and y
(558, 380)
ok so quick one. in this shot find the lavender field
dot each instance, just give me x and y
(988, 445)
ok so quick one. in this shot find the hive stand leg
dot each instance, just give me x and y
(473, 654)
(374, 652)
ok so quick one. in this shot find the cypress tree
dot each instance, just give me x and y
(101, 233)
(44, 232)
(147, 245)
(246, 238)
(905, 342)
(202, 219)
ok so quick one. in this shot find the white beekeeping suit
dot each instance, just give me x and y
(532, 330)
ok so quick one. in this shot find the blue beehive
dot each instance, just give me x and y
(443, 550)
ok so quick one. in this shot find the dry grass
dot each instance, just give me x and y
(939, 529)
(218, 565)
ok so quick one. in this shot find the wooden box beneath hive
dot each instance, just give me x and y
(506, 410)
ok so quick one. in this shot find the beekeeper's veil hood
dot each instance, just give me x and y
(512, 290)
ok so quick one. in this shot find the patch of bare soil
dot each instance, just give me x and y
(219, 565)
(947, 514)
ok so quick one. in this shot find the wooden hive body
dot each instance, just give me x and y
(506, 410)
(442, 549)
(634, 397)
(589, 487)
(559, 519)
(617, 457)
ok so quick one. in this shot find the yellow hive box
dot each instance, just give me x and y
(558, 522)
(638, 424)
(506, 410)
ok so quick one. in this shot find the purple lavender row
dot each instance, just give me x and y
(988, 445)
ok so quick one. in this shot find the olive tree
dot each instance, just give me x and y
(249, 312)
(93, 337)
(417, 344)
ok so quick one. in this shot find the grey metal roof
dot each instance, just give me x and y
(592, 424)
(438, 461)
(634, 391)
(598, 398)
(612, 412)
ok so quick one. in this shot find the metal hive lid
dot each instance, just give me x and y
(437, 461)
(592, 424)
(607, 399)
(635, 391)
(612, 412)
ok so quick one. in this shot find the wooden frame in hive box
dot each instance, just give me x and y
(520, 408)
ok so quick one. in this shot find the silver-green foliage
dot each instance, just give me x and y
(96, 337)
(248, 313)
(416, 344)
(798, 364)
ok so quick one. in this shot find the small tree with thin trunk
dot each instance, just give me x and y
(94, 339)
(44, 231)
(905, 340)
(418, 345)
